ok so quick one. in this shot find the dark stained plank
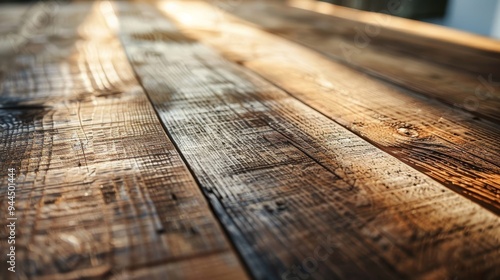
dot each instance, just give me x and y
(451, 146)
(373, 50)
(101, 190)
(300, 195)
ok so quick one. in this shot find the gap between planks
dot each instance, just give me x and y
(376, 50)
(451, 146)
(102, 192)
(285, 175)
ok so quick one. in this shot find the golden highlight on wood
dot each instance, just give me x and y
(244, 140)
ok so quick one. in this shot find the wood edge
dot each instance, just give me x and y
(110, 13)
(424, 29)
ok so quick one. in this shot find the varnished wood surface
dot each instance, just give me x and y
(175, 140)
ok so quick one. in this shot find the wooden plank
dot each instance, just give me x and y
(451, 47)
(101, 190)
(451, 146)
(357, 44)
(407, 26)
(301, 195)
(14, 28)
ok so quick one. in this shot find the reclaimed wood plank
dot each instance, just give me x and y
(448, 46)
(301, 195)
(15, 29)
(357, 44)
(101, 190)
(451, 146)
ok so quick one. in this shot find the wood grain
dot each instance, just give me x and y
(101, 191)
(300, 195)
(373, 49)
(438, 43)
(451, 146)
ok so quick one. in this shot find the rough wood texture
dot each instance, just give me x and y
(102, 192)
(451, 146)
(455, 48)
(300, 195)
(378, 51)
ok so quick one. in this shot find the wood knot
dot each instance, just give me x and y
(278, 206)
(67, 251)
(410, 132)
(407, 130)
(281, 205)
(268, 208)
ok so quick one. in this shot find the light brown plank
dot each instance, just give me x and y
(451, 146)
(373, 49)
(283, 178)
(441, 44)
(101, 190)
(15, 29)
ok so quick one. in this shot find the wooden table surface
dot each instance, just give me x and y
(236, 139)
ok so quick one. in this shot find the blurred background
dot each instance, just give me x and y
(476, 16)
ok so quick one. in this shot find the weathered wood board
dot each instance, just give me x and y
(299, 194)
(374, 49)
(451, 146)
(442, 45)
(175, 140)
(101, 190)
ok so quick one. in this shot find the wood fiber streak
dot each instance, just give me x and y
(371, 49)
(449, 145)
(288, 183)
(101, 190)
(446, 46)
